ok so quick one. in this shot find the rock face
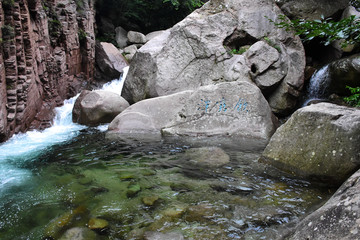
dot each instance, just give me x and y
(312, 9)
(320, 141)
(95, 107)
(234, 113)
(342, 73)
(109, 61)
(337, 219)
(197, 52)
(47, 52)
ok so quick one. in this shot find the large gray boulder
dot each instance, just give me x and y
(109, 61)
(320, 142)
(197, 52)
(96, 107)
(342, 73)
(121, 37)
(312, 9)
(338, 218)
(234, 113)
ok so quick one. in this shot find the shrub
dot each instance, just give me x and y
(354, 98)
(327, 30)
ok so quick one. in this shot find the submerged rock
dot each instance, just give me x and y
(197, 52)
(97, 224)
(234, 113)
(163, 236)
(319, 142)
(338, 218)
(150, 200)
(207, 156)
(95, 107)
(79, 233)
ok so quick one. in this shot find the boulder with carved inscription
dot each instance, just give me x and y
(234, 113)
(225, 40)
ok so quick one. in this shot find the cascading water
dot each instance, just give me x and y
(27, 146)
(318, 85)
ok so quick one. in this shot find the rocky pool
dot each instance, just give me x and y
(131, 190)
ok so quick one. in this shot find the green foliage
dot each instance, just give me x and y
(82, 35)
(273, 44)
(354, 98)
(8, 31)
(8, 4)
(238, 51)
(327, 30)
(54, 27)
(190, 4)
(355, 3)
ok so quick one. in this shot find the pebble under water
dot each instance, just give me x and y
(128, 191)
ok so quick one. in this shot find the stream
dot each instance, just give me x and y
(69, 176)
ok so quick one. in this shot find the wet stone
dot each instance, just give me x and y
(79, 233)
(163, 236)
(97, 224)
(150, 200)
(132, 190)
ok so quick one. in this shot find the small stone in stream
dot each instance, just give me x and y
(150, 200)
(133, 189)
(199, 213)
(232, 189)
(79, 233)
(163, 236)
(97, 224)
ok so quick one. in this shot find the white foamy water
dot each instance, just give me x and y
(27, 146)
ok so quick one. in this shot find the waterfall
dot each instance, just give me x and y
(318, 85)
(27, 146)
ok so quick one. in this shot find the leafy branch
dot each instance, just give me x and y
(354, 98)
(327, 30)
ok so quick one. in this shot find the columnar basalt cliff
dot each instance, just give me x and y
(47, 52)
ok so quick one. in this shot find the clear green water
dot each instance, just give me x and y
(150, 187)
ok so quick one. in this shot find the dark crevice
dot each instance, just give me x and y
(238, 39)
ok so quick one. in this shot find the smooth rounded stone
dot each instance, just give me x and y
(97, 224)
(121, 37)
(342, 73)
(233, 113)
(163, 236)
(199, 213)
(79, 233)
(57, 226)
(311, 9)
(109, 61)
(338, 218)
(174, 212)
(150, 200)
(132, 190)
(197, 52)
(95, 107)
(136, 37)
(207, 156)
(152, 35)
(130, 51)
(338, 44)
(319, 142)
